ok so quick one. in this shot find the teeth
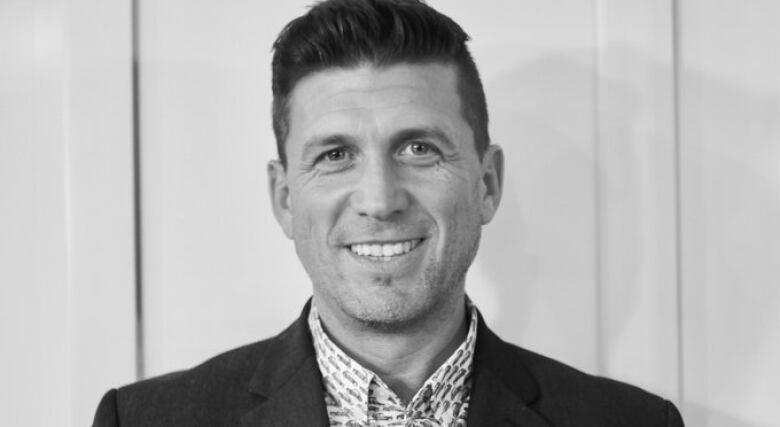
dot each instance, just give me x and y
(386, 250)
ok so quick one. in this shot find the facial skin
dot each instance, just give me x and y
(381, 162)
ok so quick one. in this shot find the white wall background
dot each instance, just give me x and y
(639, 235)
(66, 208)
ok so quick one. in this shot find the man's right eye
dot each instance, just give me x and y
(335, 155)
(334, 160)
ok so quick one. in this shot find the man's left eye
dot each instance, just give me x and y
(417, 149)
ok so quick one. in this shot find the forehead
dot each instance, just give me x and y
(397, 95)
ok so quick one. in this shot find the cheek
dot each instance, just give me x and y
(314, 212)
(458, 185)
(310, 234)
(461, 192)
(455, 208)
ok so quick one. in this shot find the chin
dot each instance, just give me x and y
(389, 321)
(394, 313)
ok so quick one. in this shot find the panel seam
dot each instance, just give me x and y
(137, 208)
(676, 110)
(598, 225)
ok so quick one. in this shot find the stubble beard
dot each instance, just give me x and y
(411, 312)
(407, 313)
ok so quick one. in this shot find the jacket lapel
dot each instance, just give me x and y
(288, 382)
(503, 388)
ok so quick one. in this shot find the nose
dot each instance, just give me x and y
(380, 192)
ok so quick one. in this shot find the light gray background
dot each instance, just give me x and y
(638, 236)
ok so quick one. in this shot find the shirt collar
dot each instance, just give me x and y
(353, 392)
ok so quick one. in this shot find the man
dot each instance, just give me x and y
(385, 177)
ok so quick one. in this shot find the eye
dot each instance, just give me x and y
(336, 155)
(334, 160)
(420, 153)
(418, 149)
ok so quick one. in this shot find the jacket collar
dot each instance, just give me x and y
(288, 381)
(289, 384)
(503, 388)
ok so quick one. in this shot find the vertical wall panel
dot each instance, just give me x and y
(33, 229)
(637, 193)
(66, 260)
(535, 277)
(730, 136)
(99, 194)
(218, 271)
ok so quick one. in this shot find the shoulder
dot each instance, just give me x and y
(208, 394)
(571, 396)
(225, 371)
(559, 379)
(563, 395)
(216, 392)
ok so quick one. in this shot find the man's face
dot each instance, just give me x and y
(384, 194)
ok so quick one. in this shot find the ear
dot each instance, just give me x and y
(492, 182)
(280, 196)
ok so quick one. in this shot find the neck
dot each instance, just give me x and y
(403, 359)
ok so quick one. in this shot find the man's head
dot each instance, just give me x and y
(346, 33)
(382, 189)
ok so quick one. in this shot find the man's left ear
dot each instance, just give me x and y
(492, 182)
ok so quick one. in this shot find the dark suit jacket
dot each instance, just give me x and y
(276, 382)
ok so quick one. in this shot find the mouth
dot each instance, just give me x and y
(384, 251)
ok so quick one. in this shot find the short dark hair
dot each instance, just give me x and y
(347, 33)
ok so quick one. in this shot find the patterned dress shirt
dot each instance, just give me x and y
(356, 396)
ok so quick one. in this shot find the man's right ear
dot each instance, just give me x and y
(280, 196)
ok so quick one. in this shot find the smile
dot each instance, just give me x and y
(384, 251)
